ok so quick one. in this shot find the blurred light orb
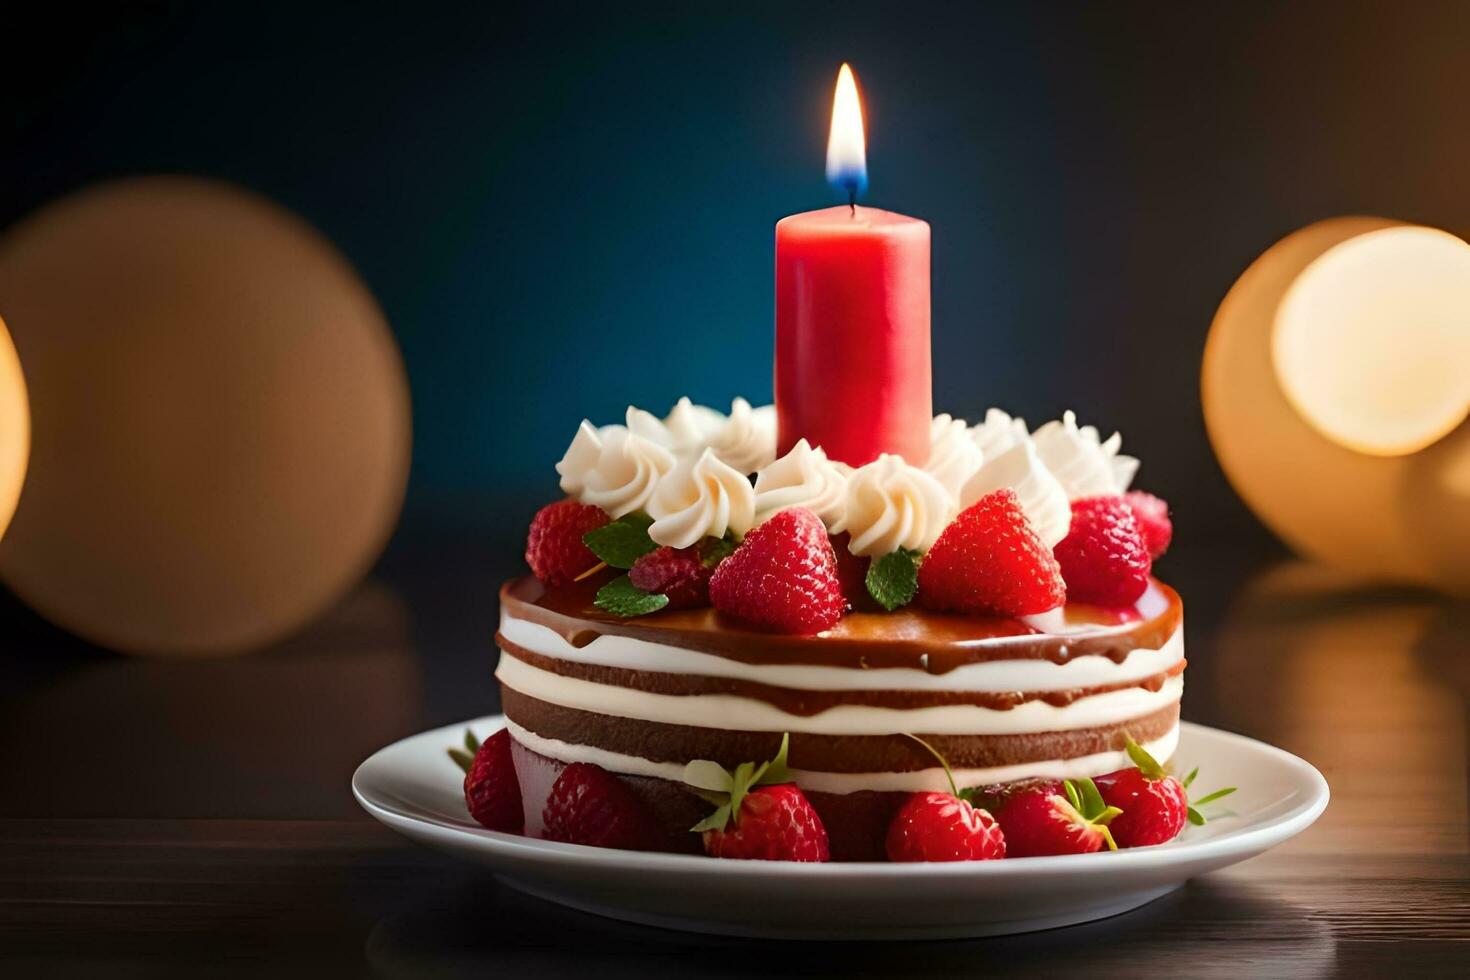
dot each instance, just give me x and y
(15, 429)
(1336, 369)
(220, 418)
(1372, 341)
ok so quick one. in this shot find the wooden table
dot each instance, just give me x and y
(169, 817)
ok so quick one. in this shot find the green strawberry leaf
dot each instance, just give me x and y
(968, 794)
(893, 580)
(1190, 778)
(1146, 763)
(774, 773)
(1212, 797)
(1092, 801)
(740, 783)
(712, 551)
(715, 821)
(621, 598)
(711, 782)
(622, 542)
(703, 774)
(1083, 794)
(1195, 816)
(465, 757)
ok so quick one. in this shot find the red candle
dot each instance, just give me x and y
(852, 316)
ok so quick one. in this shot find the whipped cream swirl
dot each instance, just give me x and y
(683, 431)
(701, 497)
(1083, 464)
(613, 468)
(998, 433)
(1042, 498)
(580, 459)
(892, 505)
(746, 440)
(953, 455)
(804, 477)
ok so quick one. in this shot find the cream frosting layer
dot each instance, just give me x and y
(989, 676)
(730, 712)
(845, 782)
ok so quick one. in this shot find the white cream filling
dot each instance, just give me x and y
(995, 676)
(851, 782)
(727, 711)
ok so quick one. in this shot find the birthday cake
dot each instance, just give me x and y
(986, 621)
(840, 627)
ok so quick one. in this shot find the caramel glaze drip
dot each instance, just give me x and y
(912, 637)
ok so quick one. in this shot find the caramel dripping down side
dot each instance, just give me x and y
(913, 638)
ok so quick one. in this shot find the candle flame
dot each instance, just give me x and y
(847, 155)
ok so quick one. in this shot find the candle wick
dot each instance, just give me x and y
(852, 202)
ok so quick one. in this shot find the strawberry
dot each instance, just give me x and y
(1153, 809)
(1103, 556)
(852, 571)
(554, 547)
(1041, 821)
(991, 561)
(775, 823)
(943, 826)
(1152, 515)
(1155, 805)
(589, 805)
(783, 577)
(760, 814)
(679, 573)
(492, 793)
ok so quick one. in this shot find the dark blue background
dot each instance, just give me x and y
(567, 207)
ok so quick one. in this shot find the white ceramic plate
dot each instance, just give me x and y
(413, 787)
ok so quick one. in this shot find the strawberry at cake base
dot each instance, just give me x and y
(1052, 696)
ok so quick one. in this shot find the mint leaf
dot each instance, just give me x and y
(621, 598)
(893, 580)
(622, 542)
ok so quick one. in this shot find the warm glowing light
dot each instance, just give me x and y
(15, 428)
(847, 155)
(1371, 344)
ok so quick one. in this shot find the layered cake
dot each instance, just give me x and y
(966, 619)
(840, 627)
